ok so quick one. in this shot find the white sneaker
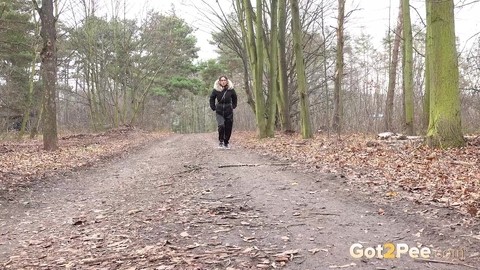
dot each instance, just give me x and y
(227, 146)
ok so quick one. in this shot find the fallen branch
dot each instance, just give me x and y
(444, 262)
(323, 214)
(253, 165)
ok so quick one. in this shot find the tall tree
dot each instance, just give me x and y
(48, 55)
(168, 49)
(254, 41)
(273, 67)
(445, 127)
(121, 65)
(284, 97)
(337, 94)
(259, 64)
(407, 68)
(392, 72)
(306, 128)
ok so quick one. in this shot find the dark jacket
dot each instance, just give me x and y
(226, 99)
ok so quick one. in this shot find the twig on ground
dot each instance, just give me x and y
(323, 214)
(253, 165)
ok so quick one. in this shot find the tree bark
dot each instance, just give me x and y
(255, 47)
(273, 89)
(445, 128)
(408, 68)
(300, 68)
(284, 100)
(428, 51)
(49, 73)
(259, 98)
(392, 73)
(337, 94)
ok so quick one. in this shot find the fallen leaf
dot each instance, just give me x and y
(391, 194)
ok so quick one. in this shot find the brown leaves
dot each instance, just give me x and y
(448, 177)
(23, 162)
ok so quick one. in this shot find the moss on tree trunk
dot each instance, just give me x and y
(445, 128)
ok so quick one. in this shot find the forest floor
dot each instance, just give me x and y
(127, 199)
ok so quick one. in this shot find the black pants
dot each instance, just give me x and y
(225, 125)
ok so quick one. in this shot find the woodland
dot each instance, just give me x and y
(331, 131)
(68, 67)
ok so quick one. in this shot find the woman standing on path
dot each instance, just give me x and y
(226, 98)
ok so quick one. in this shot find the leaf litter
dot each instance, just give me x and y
(440, 177)
(394, 168)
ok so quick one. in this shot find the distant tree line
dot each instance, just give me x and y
(294, 70)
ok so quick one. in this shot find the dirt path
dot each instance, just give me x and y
(170, 206)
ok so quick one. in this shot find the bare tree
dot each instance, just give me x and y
(337, 100)
(407, 68)
(284, 97)
(392, 73)
(48, 55)
(273, 61)
(300, 69)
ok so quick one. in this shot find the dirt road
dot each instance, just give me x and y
(180, 203)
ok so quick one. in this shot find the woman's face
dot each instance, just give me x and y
(223, 81)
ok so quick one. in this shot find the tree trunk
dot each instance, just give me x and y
(259, 99)
(245, 53)
(445, 128)
(337, 102)
(392, 74)
(300, 68)
(273, 89)
(254, 44)
(428, 51)
(408, 68)
(49, 73)
(246, 83)
(284, 100)
(325, 73)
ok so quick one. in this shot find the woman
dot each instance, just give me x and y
(226, 98)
